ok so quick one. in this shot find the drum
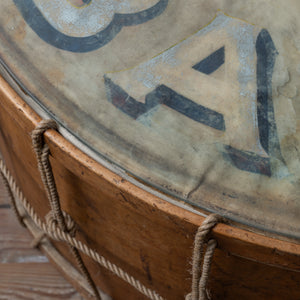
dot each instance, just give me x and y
(167, 111)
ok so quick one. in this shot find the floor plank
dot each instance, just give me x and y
(25, 273)
(33, 281)
(15, 242)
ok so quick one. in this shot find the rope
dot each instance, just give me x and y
(42, 152)
(60, 227)
(9, 189)
(56, 233)
(200, 278)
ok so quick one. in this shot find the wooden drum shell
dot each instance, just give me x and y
(149, 238)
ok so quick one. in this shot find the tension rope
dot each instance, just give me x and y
(59, 226)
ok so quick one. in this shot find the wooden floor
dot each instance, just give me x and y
(25, 273)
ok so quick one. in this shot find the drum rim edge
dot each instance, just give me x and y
(236, 241)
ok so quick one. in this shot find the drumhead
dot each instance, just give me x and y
(197, 99)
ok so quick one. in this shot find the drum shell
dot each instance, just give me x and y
(149, 238)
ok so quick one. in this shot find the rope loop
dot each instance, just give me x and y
(37, 134)
(202, 259)
(57, 219)
(60, 226)
(75, 243)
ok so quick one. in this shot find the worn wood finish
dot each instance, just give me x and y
(34, 281)
(25, 273)
(15, 242)
(149, 238)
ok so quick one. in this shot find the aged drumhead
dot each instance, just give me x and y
(199, 99)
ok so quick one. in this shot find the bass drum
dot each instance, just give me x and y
(167, 111)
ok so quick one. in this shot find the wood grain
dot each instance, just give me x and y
(25, 273)
(15, 242)
(34, 281)
(150, 238)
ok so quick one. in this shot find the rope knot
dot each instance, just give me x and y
(52, 223)
(37, 134)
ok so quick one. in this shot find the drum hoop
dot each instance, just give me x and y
(238, 242)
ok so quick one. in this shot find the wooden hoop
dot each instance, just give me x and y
(239, 246)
